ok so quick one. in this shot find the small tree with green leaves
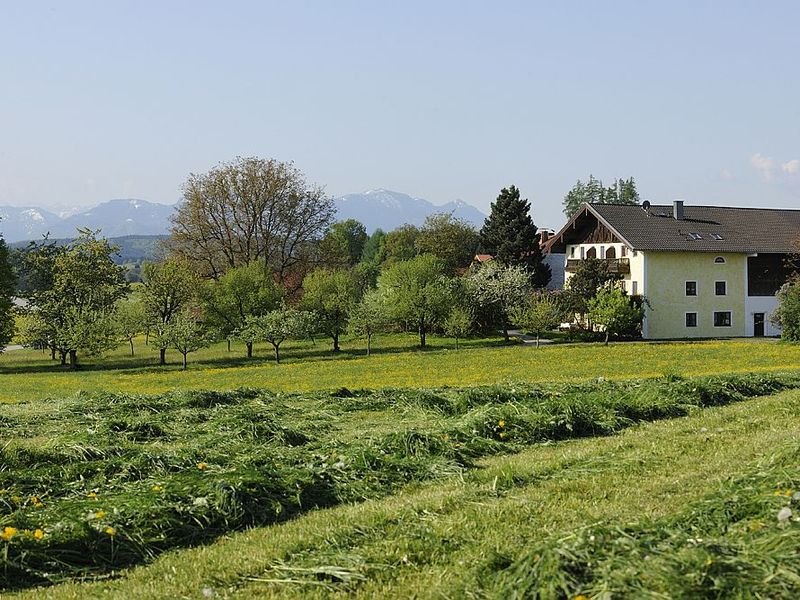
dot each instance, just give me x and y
(7, 283)
(368, 317)
(186, 333)
(498, 286)
(787, 315)
(130, 317)
(276, 327)
(539, 314)
(614, 311)
(331, 295)
(459, 323)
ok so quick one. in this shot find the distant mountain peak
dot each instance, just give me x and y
(386, 209)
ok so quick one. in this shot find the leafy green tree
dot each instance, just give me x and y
(7, 286)
(368, 317)
(343, 244)
(374, 251)
(452, 240)
(539, 314)
(787, 315)
(510, 236)
(417, 291)
(241, 292)
(331, 295)
(167, 288)
(590, 276)
(130, 317)
(186, 333)
(614, 311)
(459, 323)
(401, 244)
(622, 191)
(499, 286)
(75, 293)
(276, 327)
(34, 332)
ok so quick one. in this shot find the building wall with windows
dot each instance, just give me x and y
(633, 281)
(689, 282)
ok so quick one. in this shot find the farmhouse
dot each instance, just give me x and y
(706, 271)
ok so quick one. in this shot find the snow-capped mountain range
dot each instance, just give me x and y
(375, 209)
(388, 210)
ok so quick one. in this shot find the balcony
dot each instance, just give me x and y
(621, 266)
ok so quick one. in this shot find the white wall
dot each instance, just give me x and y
(760, 304)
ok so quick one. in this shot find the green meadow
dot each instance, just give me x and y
(493, 471)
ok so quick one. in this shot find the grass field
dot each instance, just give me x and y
(682, 508)
(28, 375)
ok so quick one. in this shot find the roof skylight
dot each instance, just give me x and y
(695, 236)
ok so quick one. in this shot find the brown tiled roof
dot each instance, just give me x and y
(702, 229)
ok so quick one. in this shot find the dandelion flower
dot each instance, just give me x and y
(111, 531)
(91, 495)
(202, 466)
(38, 534)
(502, 434)
(157, 488)
(501, 423)
(784, 515)
(98, 515)
(8, 533)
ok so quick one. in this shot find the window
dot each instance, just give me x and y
(722, 319)
(719, 260)
(691, 288)
(611, 252)
(716, 236)
(624, 251)
(691, 319)
(721, 288)
(695, 236)
(591, 253)
(583, 252)
(572, 252)
(634, 288)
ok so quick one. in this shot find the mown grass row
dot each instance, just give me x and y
(95, 483)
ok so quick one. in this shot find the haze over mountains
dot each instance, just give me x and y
(375, 209)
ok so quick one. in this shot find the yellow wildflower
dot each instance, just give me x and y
(580, 597)
(16, 499)
(8, 533)
(157, 488)
(38, 534)
(111, 531)
(99, 514)
(91, 495)
(202, 466)
(502, 434)
(501, 423)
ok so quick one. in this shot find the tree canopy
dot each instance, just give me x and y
(7, 285)
(510, 235)
(622, 191)
(452, 240)
(331, 295)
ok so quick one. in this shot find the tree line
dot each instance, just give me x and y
(254, 255)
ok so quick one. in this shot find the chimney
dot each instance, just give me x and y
(677, 209)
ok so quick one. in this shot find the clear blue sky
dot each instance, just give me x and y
(443, 100)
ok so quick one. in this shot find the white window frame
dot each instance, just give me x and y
(725, 281)
(713, 320)
(696, 319)
(696, 288)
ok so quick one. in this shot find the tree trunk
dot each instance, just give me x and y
(52, 352)
(73, 359)
(369, 343)
(277, 354)
(147, 338)
(184, 360)
(229, 344)
(162, 357)
(336, 343)
(537, 340)
(422, 335)
(505, 332)
(131, 341)
(63, 357)
(249, 349)
(607, 336)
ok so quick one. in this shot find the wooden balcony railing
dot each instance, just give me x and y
(613, 265)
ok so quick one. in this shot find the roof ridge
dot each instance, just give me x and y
(685, 206)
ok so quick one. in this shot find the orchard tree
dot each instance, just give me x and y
(374, 252)
(459, 323)
(343, 244)
(501, 287)
(401, 244)
(251, 209)
(510, 236)
(622, 191)
(186, 333)
(277, 326)
(787, 315)
(130, 317)
(167, 288)
(417, 291)
(368, 317)
(539, 314)
(452, 240)
(7, 284)
(591, 276)
(241, 292)
(331, 295)
(615, 311)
